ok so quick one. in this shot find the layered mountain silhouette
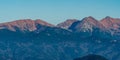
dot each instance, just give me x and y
(29, 39)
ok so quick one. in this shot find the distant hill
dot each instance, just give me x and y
(91, 57)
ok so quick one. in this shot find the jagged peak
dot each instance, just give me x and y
(86, 24)
(110, 22)
(89, 18)
(108, 17)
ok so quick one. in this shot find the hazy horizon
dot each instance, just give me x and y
(56, 11)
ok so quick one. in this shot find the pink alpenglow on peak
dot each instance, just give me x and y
(23, 25)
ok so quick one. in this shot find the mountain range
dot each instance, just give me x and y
(39, 40)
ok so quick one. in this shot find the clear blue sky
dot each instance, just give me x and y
(55, 11)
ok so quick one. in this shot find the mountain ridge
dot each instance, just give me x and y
(49, 42)
(23, 25)
(68, 22)
(87, 26)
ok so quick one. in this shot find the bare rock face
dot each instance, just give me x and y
(86, 24)
(67, 23)
(23, 25)
(112, 24)
(89, 27)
